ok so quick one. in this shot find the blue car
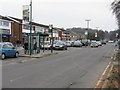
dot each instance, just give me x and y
(7, 50)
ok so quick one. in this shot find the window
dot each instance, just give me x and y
(4, 23)
(7, 46)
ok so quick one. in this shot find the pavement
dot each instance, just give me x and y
(35, 55)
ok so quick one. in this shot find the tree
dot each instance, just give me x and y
(116, 10)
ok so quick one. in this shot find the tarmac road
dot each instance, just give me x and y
(75, 68)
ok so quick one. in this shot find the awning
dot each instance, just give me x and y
(42, 34)
(63, 35)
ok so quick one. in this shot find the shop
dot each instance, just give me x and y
(5, 30)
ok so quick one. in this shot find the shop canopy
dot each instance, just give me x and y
(42, 34)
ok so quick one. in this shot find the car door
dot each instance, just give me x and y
(12, 49)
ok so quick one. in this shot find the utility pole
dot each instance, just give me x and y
(51, 30)
(96, 34)
(87, 20)
(30, 42)
(1, 36)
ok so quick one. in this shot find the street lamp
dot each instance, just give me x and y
(1, 36)
(30, 43)
(96, 34)
(51, 30)
(86, 33)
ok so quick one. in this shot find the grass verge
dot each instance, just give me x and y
(113, 80)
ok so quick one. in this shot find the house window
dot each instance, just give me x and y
(4, 23)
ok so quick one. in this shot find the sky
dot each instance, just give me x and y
(65, 13)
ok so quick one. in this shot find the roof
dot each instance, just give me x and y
(37, 24)
(5, 18)
(17, 19)
(12, 19)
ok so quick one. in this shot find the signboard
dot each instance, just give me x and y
(25, 14)
(86, 32)
(39, 29)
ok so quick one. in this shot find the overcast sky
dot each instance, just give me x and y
(65, 13)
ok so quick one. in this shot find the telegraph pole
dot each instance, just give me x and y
(51, 30)
(87, 20)
(1, 36)
(30, 42)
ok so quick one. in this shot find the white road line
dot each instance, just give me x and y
(100, 80)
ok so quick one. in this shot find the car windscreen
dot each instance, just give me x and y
(7, 46)
(45, 43)
(59, 43)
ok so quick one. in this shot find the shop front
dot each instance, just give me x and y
(5, 35)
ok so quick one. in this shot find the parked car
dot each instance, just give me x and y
(85, 42)
(94, 44)
(99, 43)
(103, 43)
(68, 43)
(7, 50)
(46, 45)
(60, 45)
(110, 41)
(77, 44)
(116, 43)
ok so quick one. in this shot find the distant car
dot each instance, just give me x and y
(77, 44)
(7, 50)
(110, 41)
(46, 45)
(85, 42)
(103, 43)
(99, 43)
(68, 43)
(60, 45)
(116, 43)
(94, 44)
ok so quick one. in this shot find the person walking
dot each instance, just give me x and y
(35, 47)
(26, 47)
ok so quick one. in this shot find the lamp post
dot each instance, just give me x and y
(1, 36)
(87, 20)
(30, 42)
(51, 30)
(96, 34)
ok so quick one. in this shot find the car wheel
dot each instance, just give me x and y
(3, 56)
(16, 54)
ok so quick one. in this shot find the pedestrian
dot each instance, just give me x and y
(35, 47)
(26, 47)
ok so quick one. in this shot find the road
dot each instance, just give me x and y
(74, 68)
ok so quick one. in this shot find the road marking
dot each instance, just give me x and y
(106, 69)
(101, 79)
